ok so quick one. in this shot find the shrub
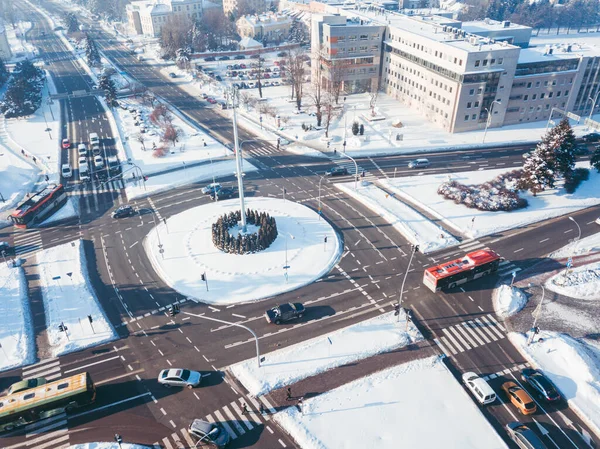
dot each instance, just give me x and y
(249, 243)
(575, 178)
(159, 152)
(355, 128)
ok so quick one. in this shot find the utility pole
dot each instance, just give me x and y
(415, 248)
(238, 162)
(534, 329)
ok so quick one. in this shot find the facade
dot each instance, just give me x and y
(234, 6)
(148, 17)
(5, 53)
(264, 27)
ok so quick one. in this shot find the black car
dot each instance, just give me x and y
(218, 78)
(223, 194)
(224, 58)
(6, 249)
(541, 384)
(123, 211)
(281, 54)
(524, 436)
(239, 57)
(285, 312)
(591, 137)
(210, 58)
(336, 171)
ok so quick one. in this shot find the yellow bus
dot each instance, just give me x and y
(47, 400)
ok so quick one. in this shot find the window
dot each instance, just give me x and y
(341, 38)
(477, 63)
(472, 91)
(566, 93)
(537, 84)
(558, 94)
(550, 94)
(485, 61)
(547, 107)
(29, 396)
(542, 96)
(474, 117)
(479, 90)
(492, 61)
(476, 105)
(534, 97)
(526, 97)
(466, 118)
(500, 60)
(546, 83)
(469, 105)
(529, 85)
(554, 82)
(364, 37)
(352, 37)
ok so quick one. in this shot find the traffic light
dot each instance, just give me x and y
(278, 142)
(416, 248)
(408, 315)
(536, 330)
(396, 310)
(90, 319)
(145, 178)
(203, 277)
(62, 327)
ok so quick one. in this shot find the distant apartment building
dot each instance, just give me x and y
(5, 52)
(148, 17)
(460, 76)
(244, 6)
(264, 27)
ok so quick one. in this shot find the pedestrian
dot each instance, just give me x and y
(300, 407)
(262, 409)
(289, 394)
(334, 151)
(362, 174)
(34, 159)
(244, 409)
(47, 178)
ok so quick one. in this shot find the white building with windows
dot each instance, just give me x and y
(5, 52)
(148, 17)
(265, 27)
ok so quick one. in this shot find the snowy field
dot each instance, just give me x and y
(552, 203)
(413, 226)
(190, 252)
(359, 341)
(16, 330)
(16, 178)
(387, 411)
(572, 365)
(581, 282)
(508, 300)
(20, 48)
(69, 299)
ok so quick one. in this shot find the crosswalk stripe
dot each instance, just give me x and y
(504, 262)
(444, 350)
(471, 246)
(257, 407)
(508, 270)
(224, 423)
(475, 328)
(177, 439)
(492, 327)
(491, 317)
(459, 336)
(51, 443)
(45, 422)
(251, 413)
(167, 443)
(474, 334)
(53, 376)
(483, 327)
(265, 401)
(40, 366)
(452, 340)
(46, 428)
(448, 345)
(243, 419)
(234, 420)
(187, 438)
(31, 238)
(52, 370)
(461, 330)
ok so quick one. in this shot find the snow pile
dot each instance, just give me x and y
(69, 299)
(16, 330)
(413, 226)
(552, 203)
(508, 300)
(20, 48)
(572, 365)
(587, 245)
(69, 210)
(386, 411)
(16, 178)
(581, 282)
(189, 252)
(347, 345)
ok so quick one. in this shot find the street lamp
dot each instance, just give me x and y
(286, 266)
(355, 168)
(160, 246)
(320, 181)
(593, 103)
(489, 118)
(414, 249)
(536, 314)
(575, 245)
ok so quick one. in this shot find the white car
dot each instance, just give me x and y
(598, 220)
(82, 160)
(479, 388)
(178, 377)
(98, 162)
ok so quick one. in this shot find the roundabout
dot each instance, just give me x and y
(306, 247)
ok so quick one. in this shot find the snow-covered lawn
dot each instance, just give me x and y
(190, 252)
(508, 300)
(572, 365)
(189, 148)
(69, 299)
(551, 203)
(20, 48)
(16, 178)
(16, 329)
(580, 282)
(359, 341)
(392, 409)
(413, 226)
(587, 245)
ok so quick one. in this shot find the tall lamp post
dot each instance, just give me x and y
(536, 314)
(575, 245)
(355, 168)
(489, 118)
(238, 162)
(594, 100)
(160, 246)
(414, 249)
(286, 266)
(320, 181)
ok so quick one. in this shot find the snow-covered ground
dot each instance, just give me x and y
(579, 282)
(20, 48)
(16, 178)
(413, 226)
(69, 299)
(508, 300)
(16, 330)
(359, 341)
(552, 203)
(189, 252)
(573, 366)
(587, 245)
(69, 210)
(394, 408)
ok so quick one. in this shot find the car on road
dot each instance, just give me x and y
(209, 59)
(519, 398)
(6, 249)
(281, 54)
(541, 384)
(179, 377)
(82, 150)
(172, 75)
(211, 100)
(419, 163)
(523, 436)
(26, 385)
(337, 171)
(66, 171)
(210, 432)
(598, 220)
(479, 388)
(98, 162)
(66, 143)
(123, 211)
(224, 58)
(223, 194)
(215, 186)
(239, 57)
(285, 312)
(592, 138)
(82, 160)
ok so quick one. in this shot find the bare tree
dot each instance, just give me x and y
(296, 72)
(373, 94)
(175, 34)
(330, 112)
(337, 72)
(149, 99)
(141, 138)
(260, 74)
(170, 134)
(317, 89)
(247, 100)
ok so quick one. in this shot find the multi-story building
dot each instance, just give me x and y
(148, 17)
(265, 27)
(5, 53)
(244, 6)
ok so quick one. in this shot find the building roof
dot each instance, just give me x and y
(556, 52)
(248, 42)
(267, 19)
(480, 26)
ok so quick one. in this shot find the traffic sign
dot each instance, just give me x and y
(161, 250)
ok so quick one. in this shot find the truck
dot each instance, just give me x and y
(84, 172)
(114, 166)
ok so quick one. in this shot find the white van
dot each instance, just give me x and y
(94, 139)
(82, 150)
(84, 172)
(479, 387)
(66, 171)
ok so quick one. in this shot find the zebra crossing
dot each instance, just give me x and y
(27, 242)
(262, 151)
(469, 335)
(90, 193)
(49, 369)
(349, 165)
(237, 418)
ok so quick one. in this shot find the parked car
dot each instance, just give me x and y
(224, 58)
(239, 57)
(541, 384)
(285, 312)
(211, 100)
(209, 59)
(479, 388)
(82, 150)
(598, 221)
(26, 385)
(213, 187)
(281, 54)
(178, 377)
(210, 432)
(519, 398)
(592, 137)
(223, 194)
(98, 162)
(172, 75)
(336, 171)
(243, 66)
(123, 211)
(82, 160)
(66, 171)
(523, 436)
(218, 78)
(66, 143)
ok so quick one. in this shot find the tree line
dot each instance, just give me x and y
(23, 94)
(244, 244)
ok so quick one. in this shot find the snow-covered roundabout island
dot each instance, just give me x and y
(189, 253)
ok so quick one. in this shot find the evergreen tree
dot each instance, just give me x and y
(595, 159)
(110, 90)
(361, 129)
(537, 175)
(355, 128)
(71, 22)
(91, 51)
(565, 150)
(3, 73)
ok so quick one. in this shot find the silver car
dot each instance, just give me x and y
(207, 432)
(178, 377)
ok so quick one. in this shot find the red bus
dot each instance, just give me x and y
(456, 272)
(39, 206)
